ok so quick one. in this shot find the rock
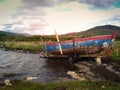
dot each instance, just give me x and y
(7, 82)
(98, 60)
(75, 75)
(29, 78)
(102, 86)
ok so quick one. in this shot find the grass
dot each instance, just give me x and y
(70, 85)
(26, 46)
(116, 50)
(38, 46)
(9, 74)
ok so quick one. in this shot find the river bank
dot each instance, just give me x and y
(38, 47)
(69, 85)
(22, 59)
(27, 47)
(20, 65)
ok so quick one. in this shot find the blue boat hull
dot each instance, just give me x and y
(82, 46)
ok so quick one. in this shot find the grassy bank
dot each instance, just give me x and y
(116, 50)
(25, 46)
(71, 85)
(36, 46)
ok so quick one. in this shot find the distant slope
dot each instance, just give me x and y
(100, 30)
(13, 34)
(6, 33)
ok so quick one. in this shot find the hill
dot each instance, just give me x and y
(13, 34)
(6, 33)
(99, 30)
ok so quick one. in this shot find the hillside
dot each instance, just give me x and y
(100, 30)
(6, 33)
(13, 34)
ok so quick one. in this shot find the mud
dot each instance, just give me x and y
(109, 69)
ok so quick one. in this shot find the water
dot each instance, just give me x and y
(27, 64)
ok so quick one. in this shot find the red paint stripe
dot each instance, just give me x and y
(82, 39)
(95, 38)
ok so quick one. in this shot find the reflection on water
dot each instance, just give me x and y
(27, 64)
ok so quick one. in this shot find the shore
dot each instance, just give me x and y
(105, 75)
(70, 85)
(26, 47)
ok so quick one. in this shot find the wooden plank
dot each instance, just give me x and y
(58, 41)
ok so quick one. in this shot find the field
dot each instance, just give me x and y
(116, 50)
(70, 85)
(24, 46)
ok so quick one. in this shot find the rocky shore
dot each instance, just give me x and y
(109, 70)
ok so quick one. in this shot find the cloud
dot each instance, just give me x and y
(27, 25)
(115, 20)
(101, 4)
(7, 9)
(7, 25)
(34, 12)
(44, 16)
(43, 3)
(37, 3)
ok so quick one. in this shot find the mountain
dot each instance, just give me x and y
(13, 34)
(98, 30)
(6, 33)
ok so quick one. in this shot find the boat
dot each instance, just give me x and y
(94, 46)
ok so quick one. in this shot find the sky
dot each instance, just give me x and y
(43, 17)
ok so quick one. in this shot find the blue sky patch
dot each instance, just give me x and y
(117, 4)
(101, 4)
(1, 1)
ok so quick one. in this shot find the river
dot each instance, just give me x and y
(28, 64)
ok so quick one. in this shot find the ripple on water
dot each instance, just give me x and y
(27, 64)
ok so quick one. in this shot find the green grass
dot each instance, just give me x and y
(116, 50)
(26, 46)
(9, 74)
(70, 85)
(38, 46)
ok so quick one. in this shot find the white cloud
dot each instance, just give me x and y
(78, 18)
(28, 25)
(7, 8)
(60, 15)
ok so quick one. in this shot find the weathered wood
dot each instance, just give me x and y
(58, 41)
(82, 47)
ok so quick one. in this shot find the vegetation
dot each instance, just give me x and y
(9, 74)
(25, 46)
(70, 85)
(116, 50)
(26, 43)
(36, 43)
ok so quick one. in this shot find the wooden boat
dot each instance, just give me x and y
(94, 46)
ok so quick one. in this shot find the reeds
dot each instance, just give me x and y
(25, 46)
